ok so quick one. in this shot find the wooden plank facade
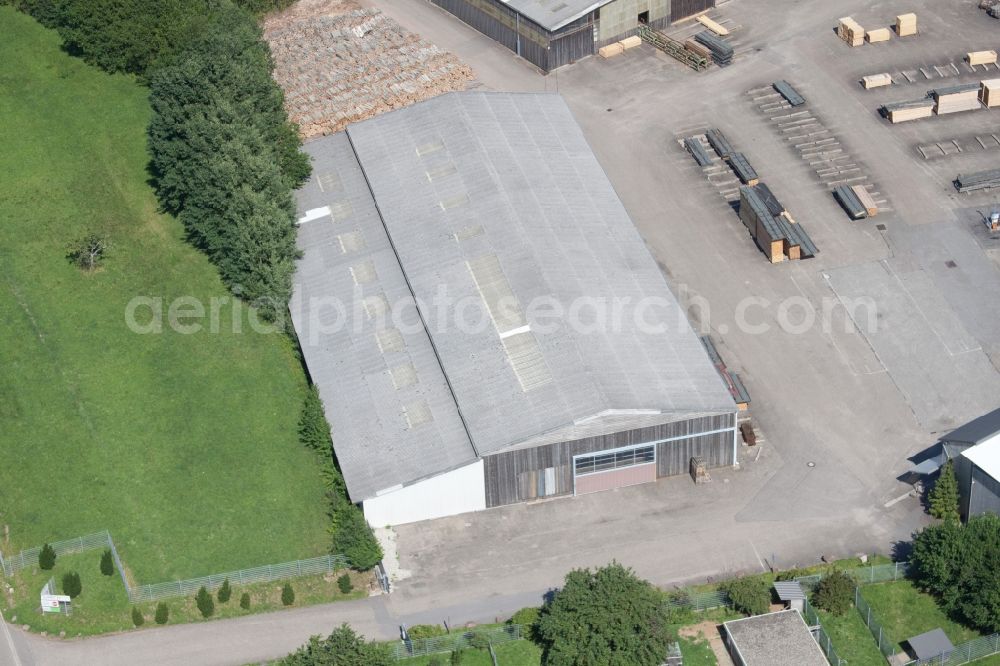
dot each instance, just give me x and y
(525, 474)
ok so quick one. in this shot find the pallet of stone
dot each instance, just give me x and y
(865, 199)
(912, 110)
(722, 53)
(774, 206)
(952, 99)
(719, 143)
(743, 170)
(631, 42)
(712, 25)
(980, 180)
(850, 31)
(906, 25)
(876, 81)
(611, 50)
(878, 35)
(791, 95)
(696, 48)
(697, 152)
(981, 58)
(989, 93)
(850, 203)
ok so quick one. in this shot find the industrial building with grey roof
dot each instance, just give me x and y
(483, 320)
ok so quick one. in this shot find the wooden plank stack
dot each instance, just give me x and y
(719, 143)
(906, 25)
(697, 152)
(777, 235)
(713, 26)
(981, 57)
(905, 111)
(696, 48)
(744, 171)
(851, 31)
(850, 203)
(952, 99)
(631, 42)
(878, 35)
(989, 93)
(722, 52)
(611, 50)
(791, 95)
(866, 200)
(981, 180)
(876, 81)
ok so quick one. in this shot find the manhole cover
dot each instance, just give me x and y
(950, 264)
(880, 227)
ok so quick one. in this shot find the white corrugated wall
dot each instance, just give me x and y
(458, 491)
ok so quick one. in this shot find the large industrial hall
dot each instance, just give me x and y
(496, 201)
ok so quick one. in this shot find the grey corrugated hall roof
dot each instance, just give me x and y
(496, 199)
(554, 14)
(976, 430)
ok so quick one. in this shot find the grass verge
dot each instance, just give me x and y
(904, 612)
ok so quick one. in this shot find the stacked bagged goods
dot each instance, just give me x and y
(982, 58)
(953, 99)
(850, 31)
(904, 111)
(989, 92)
(906, 25)
(876, 81)
(878, 35)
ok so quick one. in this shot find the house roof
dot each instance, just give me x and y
(492, 203)
(986, 456)
(775, 639)
(933, 643)
(554, 14)
(976, 430)
(788, 590)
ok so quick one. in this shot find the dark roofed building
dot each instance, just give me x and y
(975, 451)
(492, 202)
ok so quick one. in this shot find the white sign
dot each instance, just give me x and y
(54, 603)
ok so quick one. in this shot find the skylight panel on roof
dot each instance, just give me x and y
(376, 306)
(389, 340)
(454, 202)
(364, 273)
(429, 147)
(471, 231)
(329, 182)
(341, 210)
(440, 172)
(352, 241)
(504, 309)
(527, 361)
(417, 413)
(403, 375)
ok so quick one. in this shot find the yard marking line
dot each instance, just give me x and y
(10, 640)
(759, 561)
(896, 500)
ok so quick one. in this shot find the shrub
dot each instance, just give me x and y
(107, 563)
(287, 595)
(245, 601)
(206, 605)
(343, 647)
(137, 618)
(46, 557)
(750, 595)
(224, 592)
(353, 537)
(791, 574)
(162, 614)
(435, 660)
(835, 592)
(344, 584)
(88, 252)
(943, 497)
(419, 631)
(455, 658)
(71, 585)
(479, 641)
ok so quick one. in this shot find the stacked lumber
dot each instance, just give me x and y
(850, 202)
(906, 25)
(719, 143)
(981, 180)
(767, 197)
(878, 35)
(631, 42)
(712, 25)
(797, 243)
(904, 111)
(697, 152)
(338, 64)
(696, 48)
(876, 81)
(952, 99)
(989, 93)
(744, 171)
(850, 31)
(981, 58)
(722, 53)
(777, 235)
(865, 199)
(611, 50)
(791, 95)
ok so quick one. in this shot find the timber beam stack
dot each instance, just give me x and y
(791, 95)
(850, 202)
(722, 53)
(981, 180)
(777, 235)
(850, 31)
(903, 111)
(698, 152)
(953, 99)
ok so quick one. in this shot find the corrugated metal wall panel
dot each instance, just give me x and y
(985, 495)
(619, 478)
(683, 8)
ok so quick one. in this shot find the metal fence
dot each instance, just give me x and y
(698, 601)
(29, 557)
(885, 644)
(265, 574)
(822, 638)
(458, 640)
(964, 653)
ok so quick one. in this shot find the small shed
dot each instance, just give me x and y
(791, 593)
(774, 639)
(930, 645)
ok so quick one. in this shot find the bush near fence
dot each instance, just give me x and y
(458, 640)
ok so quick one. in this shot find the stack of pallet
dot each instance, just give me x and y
(904, 111)
(981, 180)
(851, 31)
(791, 95)
(878, 35)
(722, 52)
(989, 93)
(906, 25)
(876, 81)
(850, 202)
(964, 97)
(981, 57)
(697, 152)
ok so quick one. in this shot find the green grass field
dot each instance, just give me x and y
(851, 638)
(514, 653)
(183, 446)
(904, 612)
